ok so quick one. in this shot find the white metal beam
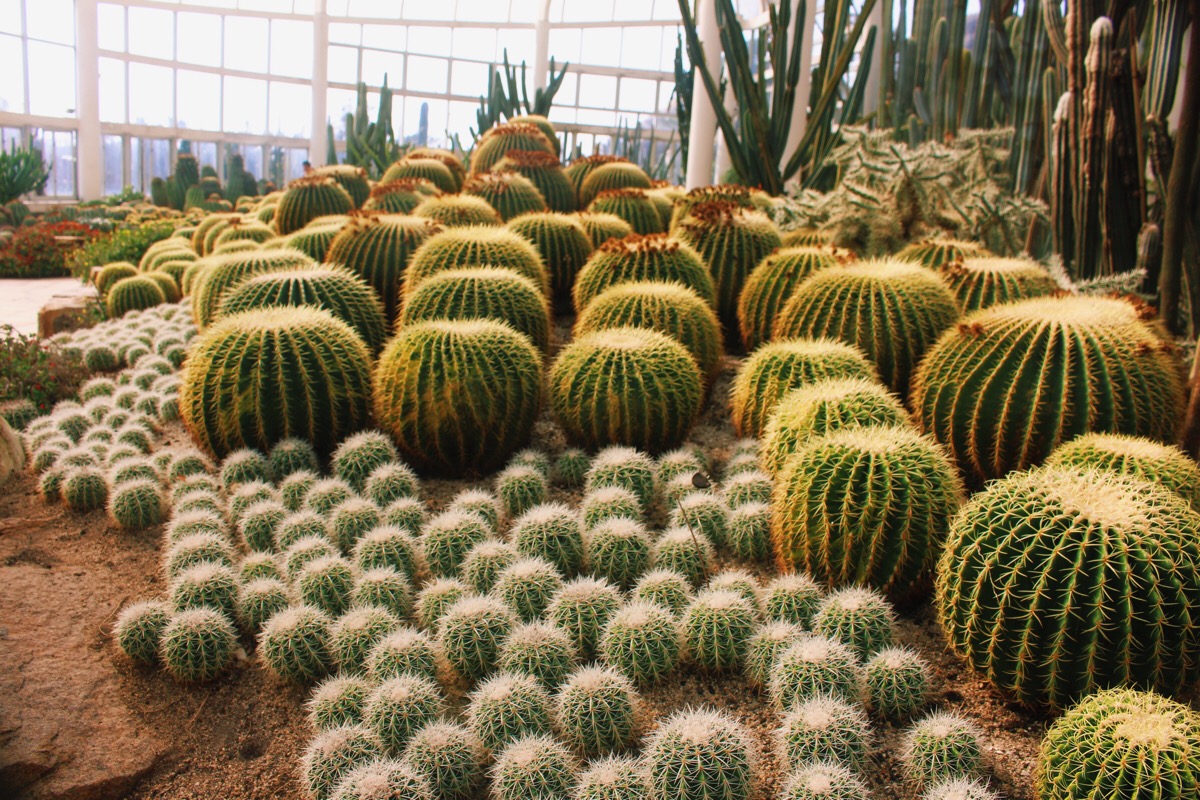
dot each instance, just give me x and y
(319, 143)
(702, 132)
(89, 147)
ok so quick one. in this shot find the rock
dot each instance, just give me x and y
(12, 454)
(66, 313)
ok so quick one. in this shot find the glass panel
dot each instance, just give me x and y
(345, 33)
(112, 90)
(157, 158)
(10, 16)
(114, 164)
(597, 91)
(276, 6)
(588, 116)
(376, 64)
(151, 95)
(670, 41)
(200, 39)
(295, 157)
(591, 11)
(641, 48)
(568, 90)
(631, 10)
(477, 43)
(252, 160)
(135, 165)
(468, 78)
(12, 75)
(291, 110)
(51, 79)
(50, 20)
(385, 37)
(336, 8)
(519, 43)
(291, 48)
(482, 11)
(339, 103)
(460, 120)
(526, 10)
(61, 156)
(383, 9)
(638, 94)
(666, 98)
(426, 74)
(152, 33)
(246, 44)
(343, 65)
(435, 120)
(564, 44)
(199, 100)
(245, 105)
(206, 153)
(601, 47)
(668, 10)
(431, 41)
(110, 27)
(423, 9)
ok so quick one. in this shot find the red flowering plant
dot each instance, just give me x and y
(37, 371)
(35, 251)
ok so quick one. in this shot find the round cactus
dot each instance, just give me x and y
(987, 422)
(450, 757)
(632, 205)
(824, 407)
(197, 644)
(716, 630)
(307, 198)
(359, 455)
(337, 701)
(824, 781)
(544, 171)
(940, 253)
(389, 482)
(333, 755)
(703, 513)
(510, 193)
(205, 584)
(739, 196)
(426, 169)
(426, 395)
(1053, 550)
(812, 667)
(602, 227)
(110, 274)
(350, 520)
(472, 632)
(534, 766)
(326, 495)
(1166, 465)
(399, 707)
(471, 247)
(826, 729)
(449, 158)
(596, 711)
(542, 125)
(765, 645)
(527, 587)
(137, 504)
(553, 532)
(579, 168)
(326, 583)
(245, 496)
(581, 608)
(655, 419)
(195, 549)
(224, 273)
(669, 308)
(740, 582)
(400, 196)
(313, 240)
(540, 650)
(294, 643)
(668, 588)
(355, 633)
(897, 683)
(642, 641)
(775, 368)
(770, 284)
(858, 618)
(499, 139)
(484, 563)
(610, 175)
(405, 651)
(570, 468)
(246, 465)
(407, 513)
(984, 282)
(83, 488)
(482, 293)
(623, 467)
(480, 502)
(259, 599)
(1121, 744)
(618, 550)
(863, 536)
(701, 754)
(749, 533)
(301, 525)
(612, 778)
(534, 459)
(913, 308)
(959, 789)
(656, 257)
(304, 551)
(257, 410)
(685, 461)
(133, 293)
(436, 598)
(506, 707)
(447, 539)
(139, 629)
(459, 211)
(688, 552)
(563, 243)
(258, 524)
(399, 780)
(939, 746)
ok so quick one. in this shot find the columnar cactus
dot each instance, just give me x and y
(912, 307)
(656, 257)
(863, 535)
(256, 410)
(988, 423)
(510, 193)
(459, 211)
(458, 396)
(655, 419)
(544, 171)
(985, 282)
(225, 272)
(642, 641)
(1164, 464)
(505, 708)
(596, 711)
(471, 247)
(775, 368)
(499, 139)
(611, 175)
(377, 248)
(307, 198)
(770, 284)
(482, 293)
(700, 754)
(632, 205)
(133, 293)
(563, 243)
(1054, 549)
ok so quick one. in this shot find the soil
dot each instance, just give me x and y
(78, 720)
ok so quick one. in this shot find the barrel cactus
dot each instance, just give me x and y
(632, 205)
(499, 139)
(669, 308)
(482, 293)
(450, 757)
(716, 630)
(168, 285)
(510, 193)
(897, 683)
(642, 258)
(825, 728)
(472, 247)
(618, 550)
(225, 272)
(1010, 383)
(249, 407)
(376, 247)
(911, 308)
(581, 608)
(579, 168)
(427, 169)
(307, 198)
(812, 667)
(400, 196)
(777, 367)
(197, 644)
(540, 650)
(109, 274)
(313, 240)
(739, 196)
(822, 780)
(563, 243)
(602, 227)
(1009, 622)
(985, 282)
(452, 160)
(941, 745)
(544, 171)
(597, 711)
(641, 640)
(351, 178)
(588, 396)
(553, 531)
(534, 767)
(939, 253)
(770, 284)
(611, 175)
(472, 631)
(701, 754)
(458, 396)
(1164, 464)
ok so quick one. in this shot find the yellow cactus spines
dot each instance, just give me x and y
(1164, 464)
(632, 205)
(224, 272)
(657, 257)
(499, 139)
(231, 395)
(612, 175)
(473, 246)
(909, 308)
(482, 293)
(578, 170)
(400, 196)
(452, 161)
(985, 282)
(937, 253)
(1010, 383)
(307, 198)
(510, 193)
(376, 247)
(769, 286)
(545, 172)
(429, 169)
(602, 227)
(563, 243)
(458, 396)
(458, 210)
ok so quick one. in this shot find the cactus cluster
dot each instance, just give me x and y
(376, 247)
(474, 246)
(545, 172)
(656, 257)
(510, 193)
(632, 205)
(482, 293)
(770, 284)
(505, 708)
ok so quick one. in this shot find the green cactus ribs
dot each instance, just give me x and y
(471, 247)
(563, 243)
(428, 169)
(500, 139)
(657, 257)
(632, 205)
(510, 193)
(310, 197)
(545, 172)
(400, 196)
(985, 282)
(482, 293)
(770, 284)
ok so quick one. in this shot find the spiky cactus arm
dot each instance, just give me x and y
(771, 283)
(563, 243)
(612, 175)
(499, 139)
(307, 198)
(656, 257)
(1042, 626)
(458, 396)
(1003, 388)
(578, 170)
(545, 172)
(985, 282)
(482, 293)
(231, 396)
(910, 307)
(510, 193)
(428, 169)
(632, 205)
(473, 246)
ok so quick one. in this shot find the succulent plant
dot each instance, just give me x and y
(82, 488)
(255, 411)
(991, 429)
(665, 587)
(407, 513)
(824, 781)
(642, 641)
(656, 419)
(824, 729)
(499, 139)
(553, 532)
(350, 520)
(334, 754)
(940, 253)
(258, 524)
(703, 513)
(534, 766)
(305, 550)
(223, 273)
(597, 711)
(301, 525)
(619, 550)
(770, 284)
(582, 166)
(459, 211)
(602, 227)
(701, 754)
(764, 646)
(139, 629)
(426, 169)
(399, 707)
(472, 631)
(450, 757)
(688, 552)
(632, 205)
(480, 502)
(984, 282)
(527, 587)
(581, 608)
(447, 539)
(307, 198)
(482, 292)
(110, 274)
(1069, 520)
(326, 583)
(563, 243)
(812, 667)
(350, 177)
(338, 701)
(400, 196)
(398, 779)
(472, 247)
(244, 465)
(511, 194)
(623, 467)
(897, 683)
(313, 240)
(570, 468)
(684, 461)
(259, 599)
(137, 504)
(505, 708)
(540, 650)
(391, 481)
(749, 532)
(195, 549)
(635, 258)
(959, 789)
(133, 293)
(197, 644)
(1164, 464)
(520, 489)
(246, 495)
(405, 651)
(941, 745)
(206, 584)
(355, 633)
(467, 428)
(544, 171)
(612, 778)
(435, 599)
(602, 177)
(857, 617)
(716, 630)
(484, 563)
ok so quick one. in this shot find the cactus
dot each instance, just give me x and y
(959, 789)
(985, 282)
(359, 455)
(472, 247)
(749, 533)
(485, 562)
(868, 539)
(307, 198)
(325, 583)
(450, 757)
(223, 273)
(1060, 505)
(260, 599)
(610, 176)
(701, 754)
(527, 587)
(482, 293)
(665, 587)
(312, 240)
(581, 608)
(626, 468)
(435, 598)
(669, 308)
(426, 169)
(602, 227)
(327, 494)
(773, 369)
(395, 777)
(168, 284)
(812, 667)
(460, 211)
(690, 553)
(407, 513)
(498, 140)
(290, 456)
(335, 754)
(656, 419)
(197, 549)
(685, 461)
(739, 581)
(824, 781)
(534, 459)
(400, 196)
(765, 645)
(448, 538)
(938, 254)
(110, 274)
(703, 513)
(824, 729)
(205, 584)
(534, 766)
(246, 495)
(562, 242)
(553, 532)
(405, 651)
(259, 565)
(986, 431)
(399, 707)
(448, 157)
(770, 284)
(99, 358)
(355, 633)
(507, 707)
(716, 630)
(544, 172)
(897, 683)
(137, 504)
(641, 640)
(618, 550)
(612, 778)
(1163, 464)
(540, 650)
(209, 407)
(478, 501)
(304, 551)
(939, 746)
(632, 205)
(350, 177)
(580, 168)
(569, 468)
(509, 193)
(822, 408)
(82, 488)
(656, 257)
(472, 631)
(858, 618)
(596, 711)
(132, 293)
(197, 644)
(298, 526)
(389, 482)
(246, 465)
(243, 230)
(139, 629)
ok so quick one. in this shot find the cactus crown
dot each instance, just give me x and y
(531, 159)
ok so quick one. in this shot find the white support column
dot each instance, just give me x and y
(871, 90)
(724, 160)
(804, 87)
(320, 85)
(541, 47)
(702, 132)
(89, 147)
